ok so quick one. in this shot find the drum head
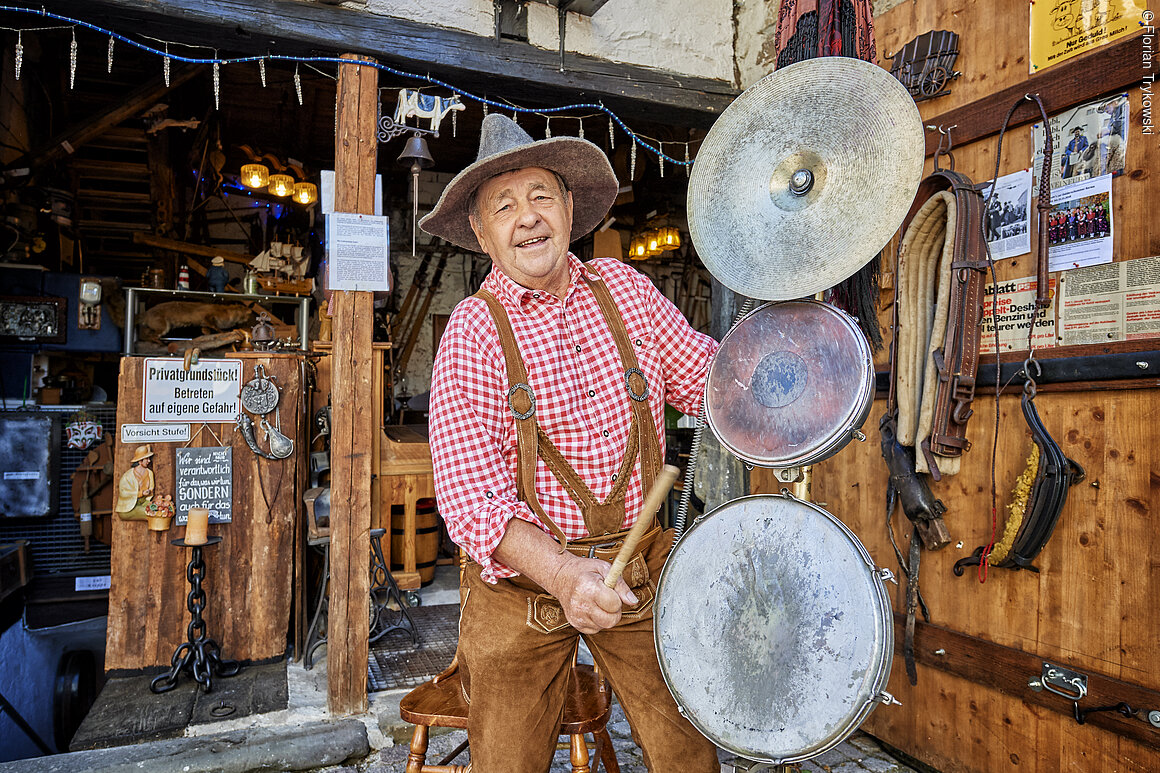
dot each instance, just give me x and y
(790, 384)
(773, 630)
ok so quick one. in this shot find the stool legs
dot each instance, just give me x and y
(580, 754)
(418, 754)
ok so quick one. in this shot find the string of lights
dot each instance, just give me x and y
(650, 144)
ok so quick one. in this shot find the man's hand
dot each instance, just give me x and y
(588, 603)
(577, 583)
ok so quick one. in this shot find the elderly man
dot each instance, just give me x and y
(547, 405)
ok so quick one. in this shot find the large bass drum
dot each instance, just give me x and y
(773, 628)
(790, 385)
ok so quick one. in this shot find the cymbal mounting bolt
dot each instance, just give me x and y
(801, 182)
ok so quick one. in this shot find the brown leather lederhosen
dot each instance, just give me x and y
(516, 634)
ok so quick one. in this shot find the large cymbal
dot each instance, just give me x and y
(842, 131)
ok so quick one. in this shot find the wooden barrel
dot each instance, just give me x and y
(427, 536)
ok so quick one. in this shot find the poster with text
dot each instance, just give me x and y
(1062, 29)
(1008, 310)
(205, 478)
(1079, 224)
(1088, 141)
(1112, 302)
(1007, 221)
(358, 249)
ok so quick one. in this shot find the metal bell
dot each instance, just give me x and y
(263, 333)
(415, 154)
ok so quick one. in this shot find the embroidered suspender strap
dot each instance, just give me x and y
(522, 403)
(634, 381)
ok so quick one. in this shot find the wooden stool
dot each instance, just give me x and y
(440, 703)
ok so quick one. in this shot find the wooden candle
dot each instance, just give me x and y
(195, 527)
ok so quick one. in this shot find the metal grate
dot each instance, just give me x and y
(394, 662)
(55, 543)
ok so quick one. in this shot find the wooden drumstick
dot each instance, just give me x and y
(664, 481)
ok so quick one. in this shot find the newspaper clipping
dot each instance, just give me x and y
(1111, 302)
(1008, 310)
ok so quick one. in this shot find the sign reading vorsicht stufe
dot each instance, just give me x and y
(209, 391)
(205, 478)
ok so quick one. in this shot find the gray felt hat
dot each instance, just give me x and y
(504, 147)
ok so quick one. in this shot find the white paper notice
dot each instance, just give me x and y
(1116, 302)
(1008, 219)
(1080, 224)
(359, 247)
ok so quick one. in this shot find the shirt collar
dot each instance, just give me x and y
(507, 289)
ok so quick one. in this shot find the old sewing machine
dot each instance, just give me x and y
(800, 182)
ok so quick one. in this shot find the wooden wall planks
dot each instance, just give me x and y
(248, 575)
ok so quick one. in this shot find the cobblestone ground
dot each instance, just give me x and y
(857, 754)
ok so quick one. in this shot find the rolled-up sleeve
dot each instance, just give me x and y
(474, 481)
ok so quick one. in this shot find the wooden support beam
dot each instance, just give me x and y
(186, 248)
(352, 401)
(476, 62)
(131, 106)
(1078, 80)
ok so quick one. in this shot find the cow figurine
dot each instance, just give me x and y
(416, 103)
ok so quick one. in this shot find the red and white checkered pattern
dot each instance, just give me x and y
(581, 400)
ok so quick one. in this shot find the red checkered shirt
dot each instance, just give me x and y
(575, 372)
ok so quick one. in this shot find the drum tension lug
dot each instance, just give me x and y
(886, 699)
(789, 474)
(886, 575)
(859, 436)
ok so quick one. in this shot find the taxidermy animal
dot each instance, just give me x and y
(208, 317)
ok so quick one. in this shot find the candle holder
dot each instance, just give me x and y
(199, 655)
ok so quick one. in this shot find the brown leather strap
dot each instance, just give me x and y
(522, 403)
(634, 381)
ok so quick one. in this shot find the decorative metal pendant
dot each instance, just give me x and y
(260, 395)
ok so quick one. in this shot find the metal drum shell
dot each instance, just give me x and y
(734, 674)
(823, 394)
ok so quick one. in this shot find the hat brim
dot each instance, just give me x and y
(583, 166)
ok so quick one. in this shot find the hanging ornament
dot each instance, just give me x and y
(581, 128)
(687, 164)
(165, 66)
(548, 128)
(262, 71)
(661, 156)
(112, 39)
(516, 117)
(19, 54)
(611, 135)
(454, 124)
(632, 162)
(217, 83)
(484, 111)
(298, 85)
(72, 60)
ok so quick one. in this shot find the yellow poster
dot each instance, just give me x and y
(1060, 29)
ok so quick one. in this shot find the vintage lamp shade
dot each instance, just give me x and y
(638, 248)
(255, 175)
(305, 193)
(669, 238)
(653, 242)
(281, 184)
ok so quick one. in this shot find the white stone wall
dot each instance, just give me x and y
(692, 37)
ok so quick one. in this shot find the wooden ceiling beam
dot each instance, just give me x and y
(471, 62)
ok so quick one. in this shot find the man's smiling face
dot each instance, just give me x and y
(523, 220)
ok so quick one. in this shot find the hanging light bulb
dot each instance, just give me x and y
(305, 193)
(654, 247)
(281, 184)
(255, 176)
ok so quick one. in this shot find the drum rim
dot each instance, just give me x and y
(855, 418)
(884, 633)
